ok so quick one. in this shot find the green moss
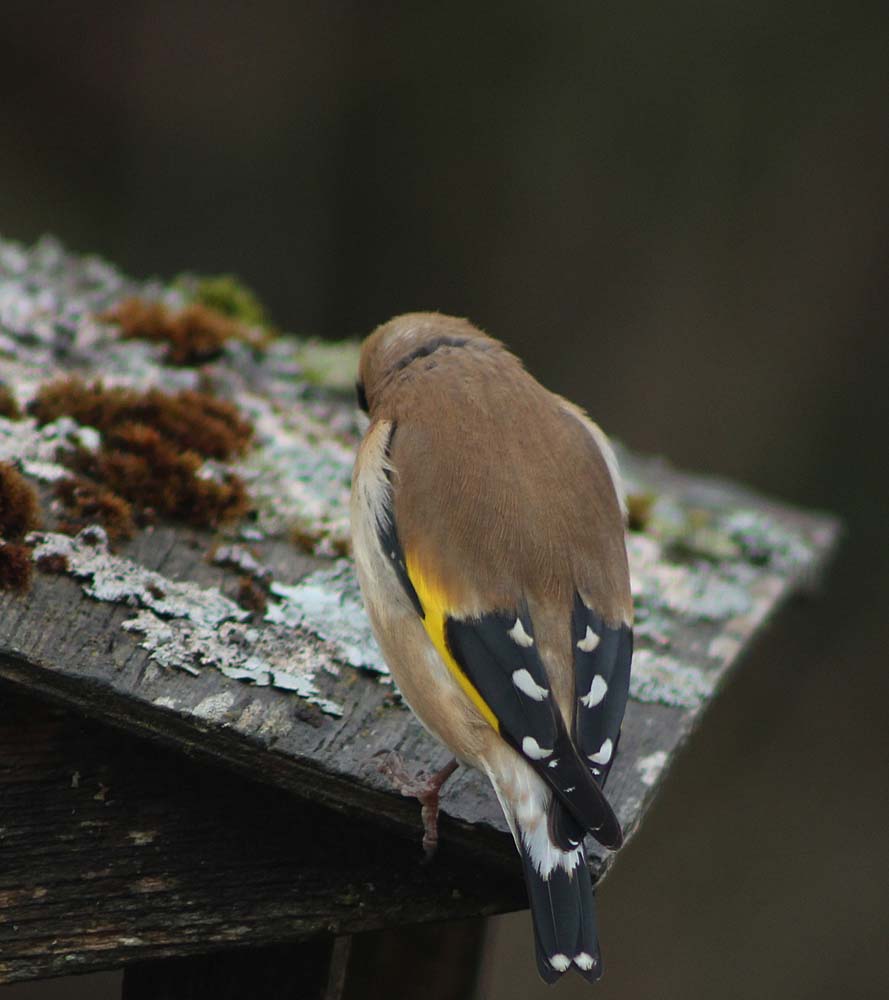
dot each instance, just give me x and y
(333, 365)
(639, 507)
(702, 538)
(226, 294)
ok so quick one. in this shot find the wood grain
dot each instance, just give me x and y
(115, 850)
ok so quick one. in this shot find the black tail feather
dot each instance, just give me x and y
(576, 789)
(565, 831)
(563, 913)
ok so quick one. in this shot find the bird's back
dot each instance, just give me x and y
(456, 508)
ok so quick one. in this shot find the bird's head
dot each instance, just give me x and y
(396, 345)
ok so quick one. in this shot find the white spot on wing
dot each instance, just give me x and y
(596, 692)
(589, 642)
(519, 636)
(584, 961)
(527, 685)
(559, 962)
(603, 755)
(531, 748)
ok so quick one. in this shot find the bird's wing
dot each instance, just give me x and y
(602, 656)
(496, 655)
(602, 653)
(493, 656)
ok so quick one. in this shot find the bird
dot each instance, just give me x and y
(488, 532)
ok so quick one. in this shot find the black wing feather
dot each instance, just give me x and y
(598, 721)
(387, 534)
(490, 659)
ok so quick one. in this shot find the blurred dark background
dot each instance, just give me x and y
(678, 214)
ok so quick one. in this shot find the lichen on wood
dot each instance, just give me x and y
(114, 578)
(53, 322)
(328, 602)
(190, 628)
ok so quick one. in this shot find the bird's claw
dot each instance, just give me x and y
(425, 788)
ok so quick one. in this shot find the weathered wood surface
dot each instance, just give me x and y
(298, 696)
(114, 850)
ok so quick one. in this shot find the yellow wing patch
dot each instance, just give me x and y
(435, 605)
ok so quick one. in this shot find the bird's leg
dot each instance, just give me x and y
(429, 806)
(426, 790)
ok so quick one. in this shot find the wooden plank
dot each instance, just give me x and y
(114, 850)
(148, 637)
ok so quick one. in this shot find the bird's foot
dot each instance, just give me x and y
(425, 788)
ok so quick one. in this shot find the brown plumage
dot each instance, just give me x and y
(481, 499)
(477, 482)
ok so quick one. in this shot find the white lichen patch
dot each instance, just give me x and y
(650, 767)
(214, 706)
(768, 542)
(328, 602)
(270, 656)
(114, 578)
(38, 450)
(700, 590)
(658, 678)
(241, 558)
(298, 473)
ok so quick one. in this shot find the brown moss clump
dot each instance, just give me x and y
(19, 514)
(86, 502)
(15, 566)
(139, 463)
(251, 596)
(9, 406)
(193, 421)
(19, 506)
(193, 335)
(153, 447)
(52, 562)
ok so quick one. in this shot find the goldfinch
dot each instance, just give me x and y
(488, 534)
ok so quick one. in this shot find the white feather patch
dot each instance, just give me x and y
(545, 856)
(531, 748)
(589, 642)
(527, 685)
(584, 960)
(603, 755)
(525, 800)
(519, 636)
(596, 692)
(559, 962)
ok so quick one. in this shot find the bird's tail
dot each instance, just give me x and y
(563, 910)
